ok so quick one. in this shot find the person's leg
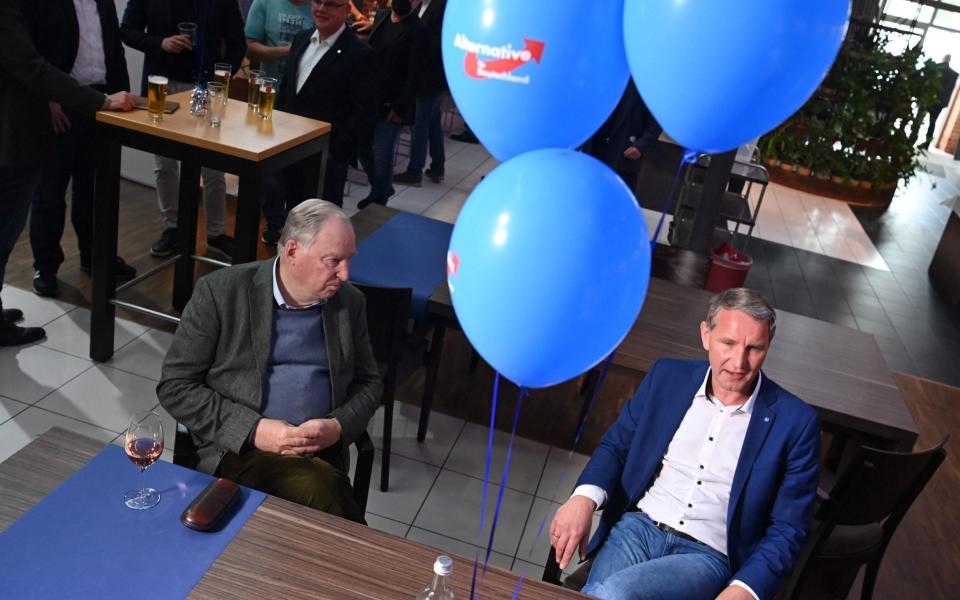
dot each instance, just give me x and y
(17, 189)
(437, 156)
(167, 172)
(419, 138)
(334, 181)
(48, 215)
(84, 187)
(214, 201)
(273, 205)
(383, 150)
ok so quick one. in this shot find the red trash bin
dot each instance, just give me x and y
(728, 269)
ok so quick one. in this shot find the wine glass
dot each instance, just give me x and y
(144, 444)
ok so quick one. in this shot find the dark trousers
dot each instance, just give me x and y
(427, 130)
(75, 157)
(315, 481)
(287, 188)
(17, 187)
(377, 161)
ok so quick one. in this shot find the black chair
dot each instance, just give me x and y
(856, 520)
(185, 455)
(574, 581)
(388, 310)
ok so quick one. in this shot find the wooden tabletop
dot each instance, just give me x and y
(242, 133)
(839, 371)
(283, 551)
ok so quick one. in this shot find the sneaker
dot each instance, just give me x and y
(434, 176)
(12, 335)
(409, 178)
(12, 315)
(166, 245)
(122, 271)
(221, 244)
(271, 235)
(46, 285)
(466, 137)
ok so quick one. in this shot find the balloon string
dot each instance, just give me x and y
(486, 480)
(503, 480)
(516, 590)
(689, 157)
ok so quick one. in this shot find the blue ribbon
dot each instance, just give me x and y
(689, 157)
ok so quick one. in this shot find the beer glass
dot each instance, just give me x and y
(268, 95)
(221, 74)
(156, 96)
(216, 102)
(253, 90)
(190, 29)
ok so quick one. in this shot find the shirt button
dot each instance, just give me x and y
(701, 466)
(711, 438)
(699, 482)
(681, 522)
(689, 505)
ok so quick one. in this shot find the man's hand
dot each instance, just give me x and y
(363, 27)
(175, 44)
(281, 437)
(633, 153)
(60, 121)
(279, 52)
(571, 528)
(120, 101)
(735, 592)
(393, 117)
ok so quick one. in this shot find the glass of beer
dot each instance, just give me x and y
(253, 90)
(268, 95)
(188, 28)
(221, 74)
(217, 101)
(156, 96)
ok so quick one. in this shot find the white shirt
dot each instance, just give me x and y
(312, 54)
(423, 7)
(278, 295)
(90, 65)
(692, 491)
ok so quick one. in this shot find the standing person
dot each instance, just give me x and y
(430, 84)
(392, 36)
(331, 76)
(271, 27)
(27, 139)
(948, 79)
(151, 26)
(707, 478)
(82, 38)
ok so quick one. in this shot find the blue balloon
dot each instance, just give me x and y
(531, 74)
(718, 73)
(548, 265)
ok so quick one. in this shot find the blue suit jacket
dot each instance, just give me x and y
(774, 485)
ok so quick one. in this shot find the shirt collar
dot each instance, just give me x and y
(278, 295)
(330, 41)
(746, 407)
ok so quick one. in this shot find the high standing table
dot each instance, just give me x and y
(283, 551)
(243, 145)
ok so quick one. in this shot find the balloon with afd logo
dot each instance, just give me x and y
(718, 73)
(548, 265)
(530, 74)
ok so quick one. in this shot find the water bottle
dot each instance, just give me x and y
(439, 588)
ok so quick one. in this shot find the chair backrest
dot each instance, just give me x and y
(388, 310)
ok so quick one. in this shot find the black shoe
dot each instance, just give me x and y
(12, 315)
(166, 245)
(409, 178)
(221, 244)
(271, 235)
(11, 335)
(46, 285)
(364, 203)
(466, 137)
(434, 176)
(122, 271)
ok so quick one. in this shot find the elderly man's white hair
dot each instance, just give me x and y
(306, 219)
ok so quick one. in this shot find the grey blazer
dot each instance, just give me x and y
(212, 379)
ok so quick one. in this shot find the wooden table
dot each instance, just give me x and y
(839, 371)
(283, 551)
(243, 145)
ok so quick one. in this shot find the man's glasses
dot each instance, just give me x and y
(329, 5)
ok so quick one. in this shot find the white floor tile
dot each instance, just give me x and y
(10, 408)
(449, 545)
(560, 474)
(34, 422)
(442, 433)
(71, 333)
(410, 482)
(453, 509)
(526, 463)
(386, 525)
(28, 373)
(144, 355)
(37, 311)
(104, 397)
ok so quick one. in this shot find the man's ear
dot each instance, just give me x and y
(705, 335)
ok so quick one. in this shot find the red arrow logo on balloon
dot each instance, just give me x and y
(481, 69)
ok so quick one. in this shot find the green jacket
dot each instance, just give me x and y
(27, 84)
(213, 374)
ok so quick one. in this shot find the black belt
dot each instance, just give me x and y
(667, 529)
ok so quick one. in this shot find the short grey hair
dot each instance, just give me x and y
(748, 301)
(306, 219)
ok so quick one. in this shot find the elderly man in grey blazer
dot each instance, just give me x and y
(271, 368)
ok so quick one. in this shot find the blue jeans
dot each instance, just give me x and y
(427, 129)
(17, 187)
(638, 561)
(377, 162)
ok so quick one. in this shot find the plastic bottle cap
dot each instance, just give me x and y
(443, 565)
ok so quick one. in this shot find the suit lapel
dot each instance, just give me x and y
(261, 303)
(761, 421)
(328, 61)
(332, 342)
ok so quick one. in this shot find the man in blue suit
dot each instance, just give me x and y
(707, 478)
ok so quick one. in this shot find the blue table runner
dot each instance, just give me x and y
(81, 541)
(407, 251)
